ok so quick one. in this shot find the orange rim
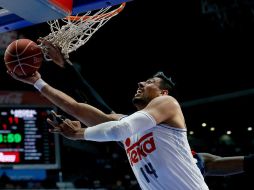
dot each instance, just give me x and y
(109, 14)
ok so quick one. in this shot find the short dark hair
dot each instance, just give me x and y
(167, 82)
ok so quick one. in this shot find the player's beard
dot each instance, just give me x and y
(139, 102)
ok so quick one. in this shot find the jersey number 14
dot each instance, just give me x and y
(148, 170)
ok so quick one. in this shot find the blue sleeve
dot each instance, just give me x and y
(200, 162)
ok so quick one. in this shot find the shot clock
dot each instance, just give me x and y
(24, 138)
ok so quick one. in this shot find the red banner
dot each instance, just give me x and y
(22, 98)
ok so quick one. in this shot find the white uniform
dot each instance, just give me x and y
(161, 159)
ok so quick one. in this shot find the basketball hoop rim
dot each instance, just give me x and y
(105, 15)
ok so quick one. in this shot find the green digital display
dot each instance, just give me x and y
(10, 138)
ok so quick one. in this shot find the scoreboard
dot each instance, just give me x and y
(24, 138)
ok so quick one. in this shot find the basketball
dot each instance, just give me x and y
(23, 57)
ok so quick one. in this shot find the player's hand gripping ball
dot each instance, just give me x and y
(23, 57)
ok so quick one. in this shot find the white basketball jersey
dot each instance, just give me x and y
(161, 159)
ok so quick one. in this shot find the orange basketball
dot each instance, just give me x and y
(23, 57)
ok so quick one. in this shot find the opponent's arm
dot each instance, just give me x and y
(81, 85)
(85, 89)
(222, 166)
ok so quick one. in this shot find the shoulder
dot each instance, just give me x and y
(164, 109)
(164, 102)
(165, 99)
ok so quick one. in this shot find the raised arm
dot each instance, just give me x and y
(119, 130)
(85, 113)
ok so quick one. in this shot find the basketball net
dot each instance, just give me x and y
(74, 31)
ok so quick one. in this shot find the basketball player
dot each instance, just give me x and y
(209, 164)
(154, 137)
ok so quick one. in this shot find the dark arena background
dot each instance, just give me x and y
(207, 48)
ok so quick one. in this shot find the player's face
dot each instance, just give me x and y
(146, 91)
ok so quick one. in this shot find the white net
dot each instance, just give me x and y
(74, 31)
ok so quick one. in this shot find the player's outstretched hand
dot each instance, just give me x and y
(69, 129)
(28, 79)
(52, 52)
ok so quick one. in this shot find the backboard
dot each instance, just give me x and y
(17, 14)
